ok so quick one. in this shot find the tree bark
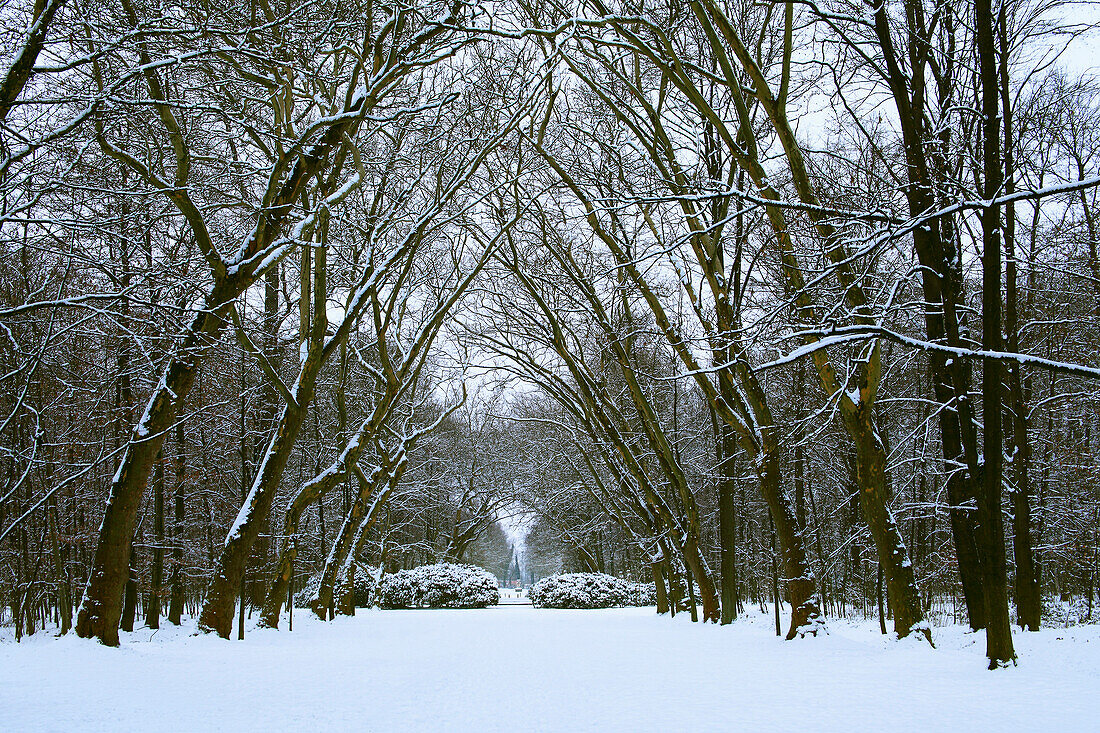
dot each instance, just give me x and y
(175, 607)
(22, 68)
(156, 580)
(61, 579)
(217, 611)
(659, 584)
(994, 571)
(339, 565)
(312, 491)
(129, 605)
(901, 586)
(805, 610)
(727, 528)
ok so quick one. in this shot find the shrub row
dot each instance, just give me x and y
(439, 586)
(590, 590)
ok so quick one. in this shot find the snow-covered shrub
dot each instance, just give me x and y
(364, 587)
(590, 590)
(642, 594)
(439, 586)
(397, 591)
(1059, 613)
(307, 592)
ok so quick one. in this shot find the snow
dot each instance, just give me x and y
(520, 668)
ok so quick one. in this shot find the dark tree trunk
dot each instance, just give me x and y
(129, 605)
(175, 607)
(893, 558)
(659, 584)
(727, 520)
(1095, 559)
(818, 530)
(728, 533)
(693, 606)
(311, 491)
(995, 578)
(878, 596)
(61, 579)
(675, 582)
(152, 608)
(805, 610)
(339, 570)
(100, 611)
(775, 585)
(217, 612)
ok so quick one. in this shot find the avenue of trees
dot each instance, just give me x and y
(780, 304)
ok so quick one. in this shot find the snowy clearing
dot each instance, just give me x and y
(519, 668)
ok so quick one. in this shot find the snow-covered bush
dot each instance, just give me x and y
(1059, 613)
(307, 592)
(590, 590)
(364, 587)
(439, 586)
(397, 591)
(642, 594)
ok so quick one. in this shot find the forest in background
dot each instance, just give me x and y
(759, 302)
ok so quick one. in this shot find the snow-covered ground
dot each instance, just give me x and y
(520, 668)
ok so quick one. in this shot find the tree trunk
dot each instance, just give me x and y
(129, 606)
(672, 575)
(64, 600)
(942, 289)
(878, 597)
(100, 609)
(344, 591)
(893, 558)
(338, 568)
(775, 584)
(659, 584)
(312, 491)
(175, 607)
(217, 612)
(995, 579)
(805, 611)
(727, 521)
(727, 530)
(152, 608)
(22, 66)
